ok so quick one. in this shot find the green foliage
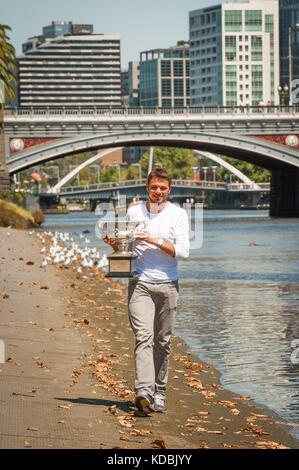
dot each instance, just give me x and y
(254, 172)
(8, 63)
(178, 162)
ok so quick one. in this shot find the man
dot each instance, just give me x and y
(153, 292)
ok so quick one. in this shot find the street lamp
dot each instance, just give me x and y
(98, 171)
(139, 166)
(194, 168)
(214, 168)
(205, 168)
(118, 169)
(283, 92)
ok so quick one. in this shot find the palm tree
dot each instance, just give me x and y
(8, 67)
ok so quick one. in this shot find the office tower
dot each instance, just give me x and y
(164, 77)
(57, 28)
(134, 83)
(289, 46)
(71, 69)
(124, 81)
(234, 58)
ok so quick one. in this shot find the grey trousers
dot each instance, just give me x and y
(152, 308)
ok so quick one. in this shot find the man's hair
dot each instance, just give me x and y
(159, 173)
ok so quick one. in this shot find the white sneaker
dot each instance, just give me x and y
(159, 404)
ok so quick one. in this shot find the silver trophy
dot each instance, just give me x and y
(121, 232)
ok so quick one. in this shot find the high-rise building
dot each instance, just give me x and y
(134, 83)
(234, 59)
(124, 81)
(289, 43)
(164, 77)
(71, 69)
(57, 28)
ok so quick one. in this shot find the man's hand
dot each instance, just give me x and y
(141, 235)
(111, 242)
(145, 236)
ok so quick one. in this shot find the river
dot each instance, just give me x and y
(239, 301)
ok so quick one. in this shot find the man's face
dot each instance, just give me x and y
(158, 190)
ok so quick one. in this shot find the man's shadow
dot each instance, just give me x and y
(125, 406)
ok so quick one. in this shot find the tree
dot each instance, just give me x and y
(8, 66)
(254, 172)
(177, 161)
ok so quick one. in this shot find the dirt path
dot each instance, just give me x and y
(67, 380)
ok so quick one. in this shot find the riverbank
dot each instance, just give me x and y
(14, 216)
(68, 376)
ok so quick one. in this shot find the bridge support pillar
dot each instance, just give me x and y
(4, 173)
(284, 195)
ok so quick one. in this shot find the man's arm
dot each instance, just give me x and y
(166, 247)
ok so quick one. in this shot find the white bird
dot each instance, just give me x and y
(103, 262)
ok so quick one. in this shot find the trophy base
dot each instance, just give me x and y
(120, 265)
(127, 275)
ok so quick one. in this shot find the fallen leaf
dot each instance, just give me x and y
(235, 411)
(226, 403)
(32, 429)
(140, 432)
(113, 409)
(270, 445)
(44, 287)
(30, 262)
(160, 443)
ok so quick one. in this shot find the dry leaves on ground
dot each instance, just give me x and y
(270, 445)
(160, 443)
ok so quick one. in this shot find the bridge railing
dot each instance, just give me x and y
(147, 111)
(177, 183)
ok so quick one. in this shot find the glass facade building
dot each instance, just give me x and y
(289, 42)
(233, 60)
(164, 77)
(79, 70)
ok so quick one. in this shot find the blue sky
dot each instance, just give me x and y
(141, 24)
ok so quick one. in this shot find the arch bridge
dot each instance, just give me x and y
(267, 137)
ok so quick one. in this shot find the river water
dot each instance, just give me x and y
(239, 301)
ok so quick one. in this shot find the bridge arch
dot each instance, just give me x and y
(252, 149)
(91, 160)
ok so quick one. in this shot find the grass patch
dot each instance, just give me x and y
(15, 216)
